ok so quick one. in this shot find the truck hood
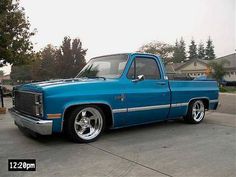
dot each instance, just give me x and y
(55, 84)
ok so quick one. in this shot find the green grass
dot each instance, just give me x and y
(228, 89)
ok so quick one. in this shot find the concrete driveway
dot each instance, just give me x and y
(227, 103)
(163, 149)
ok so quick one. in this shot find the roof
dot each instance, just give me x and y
(231, 58)
(128, 53)
(181, 65)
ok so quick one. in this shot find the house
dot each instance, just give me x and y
(198, 67)
(231, 67)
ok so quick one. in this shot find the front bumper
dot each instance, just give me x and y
(43, 127)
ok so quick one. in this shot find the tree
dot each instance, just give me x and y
(159, 48)
(209, 52)
(192, 50)
(21, 73)
(70, 58)
(36, 67)
(1, 73)
(176, 54)
(182, 49)
(15, 44)
(47, 67)
(53, 63)
(218, 69)
(28, 72)
(179, 51)
(201, 51)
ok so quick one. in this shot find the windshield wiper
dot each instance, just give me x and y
(95, 77)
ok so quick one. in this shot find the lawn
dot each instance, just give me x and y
(228, 89)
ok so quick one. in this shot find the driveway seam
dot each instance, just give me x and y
(220, 124)
(135, 162)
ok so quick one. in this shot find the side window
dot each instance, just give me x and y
(144, 66)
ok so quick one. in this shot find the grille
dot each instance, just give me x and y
(25, 102)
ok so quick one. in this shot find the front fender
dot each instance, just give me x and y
(91, 102)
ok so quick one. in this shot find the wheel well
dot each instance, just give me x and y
(105, 108)
(206, 103)
(204, 100)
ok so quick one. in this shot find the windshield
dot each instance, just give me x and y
(106, 67)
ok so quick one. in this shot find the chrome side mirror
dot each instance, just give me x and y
(139, 78)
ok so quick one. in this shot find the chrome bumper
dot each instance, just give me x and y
(43, 127)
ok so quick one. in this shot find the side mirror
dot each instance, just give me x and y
(139, 78)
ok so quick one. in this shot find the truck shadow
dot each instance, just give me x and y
(137, 130)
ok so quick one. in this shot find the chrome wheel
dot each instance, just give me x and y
(198, 111)
(88, 123)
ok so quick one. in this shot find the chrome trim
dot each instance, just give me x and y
(198, 110)
(39, 93)
(197, 98)
(179, 104)
(38, 106)
(43, 127)
(214, 101)
(88, 126)
(144, 108)
(119, 110)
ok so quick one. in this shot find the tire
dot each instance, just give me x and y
(196, 112)
(85, 124)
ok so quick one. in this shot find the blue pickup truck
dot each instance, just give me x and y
(111, 91)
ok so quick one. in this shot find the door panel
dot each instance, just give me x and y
(147, 100)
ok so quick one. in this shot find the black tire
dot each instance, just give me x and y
(191, 116)
(70, 126)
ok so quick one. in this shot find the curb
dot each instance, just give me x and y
(227, 93)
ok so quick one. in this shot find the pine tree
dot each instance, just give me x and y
(192, 50)
(176, 52)
(182, 49)
(179, 54)
(201, 51)
(210, 54)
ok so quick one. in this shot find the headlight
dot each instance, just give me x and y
(39, 105)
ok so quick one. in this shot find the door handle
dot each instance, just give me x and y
(161, 83)
(120, 97)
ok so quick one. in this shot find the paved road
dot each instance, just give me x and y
(163, 149)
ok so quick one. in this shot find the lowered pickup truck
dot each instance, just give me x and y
(111, 91)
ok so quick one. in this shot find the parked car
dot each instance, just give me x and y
(111, 91)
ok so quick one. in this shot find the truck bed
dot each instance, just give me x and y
(183, 91)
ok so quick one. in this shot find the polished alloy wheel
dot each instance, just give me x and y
(88, 123)
(198, 111)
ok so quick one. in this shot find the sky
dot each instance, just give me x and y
(113, 26)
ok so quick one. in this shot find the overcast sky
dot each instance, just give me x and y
(112, 26)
